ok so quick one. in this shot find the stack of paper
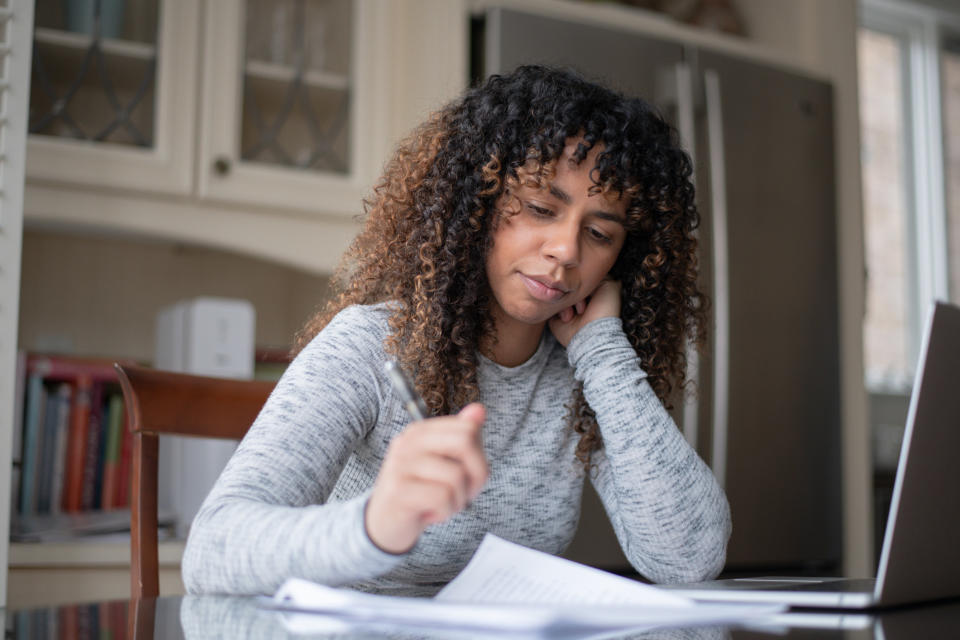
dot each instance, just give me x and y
(509, 588)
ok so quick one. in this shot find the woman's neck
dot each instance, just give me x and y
(515, 341)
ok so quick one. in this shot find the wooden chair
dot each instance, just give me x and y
(161, 402)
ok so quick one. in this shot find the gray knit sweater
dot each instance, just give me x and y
(290, 501)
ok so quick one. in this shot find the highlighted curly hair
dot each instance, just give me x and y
(429, 220)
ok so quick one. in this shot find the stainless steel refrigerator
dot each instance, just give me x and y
(766, 415)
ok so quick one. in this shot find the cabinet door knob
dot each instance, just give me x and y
(222, 165)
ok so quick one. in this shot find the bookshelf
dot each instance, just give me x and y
(71, 449)
(70, 527)
(103, 309)
(71, 483)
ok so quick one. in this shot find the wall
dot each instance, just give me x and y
(99, 295)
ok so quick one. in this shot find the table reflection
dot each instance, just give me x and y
(234, 617)
(203, 618)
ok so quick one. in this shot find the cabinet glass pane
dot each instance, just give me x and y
(296, 84)
(94, 70)
(950, 63)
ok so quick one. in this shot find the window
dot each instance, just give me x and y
(950, 64)
(909, 81)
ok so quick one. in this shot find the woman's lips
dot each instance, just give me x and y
(541, 290)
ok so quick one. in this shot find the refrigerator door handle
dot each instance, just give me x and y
(683, 77)
(721, 267)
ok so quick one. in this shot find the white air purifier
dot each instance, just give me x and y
(210, 337)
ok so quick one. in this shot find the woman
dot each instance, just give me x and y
(529, 258)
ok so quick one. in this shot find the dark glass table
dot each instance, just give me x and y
(208, 617)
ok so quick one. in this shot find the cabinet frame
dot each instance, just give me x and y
(167, 167)
(221, 104)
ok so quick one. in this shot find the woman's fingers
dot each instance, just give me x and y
(446, 473)
(431, 471)
(455, 439)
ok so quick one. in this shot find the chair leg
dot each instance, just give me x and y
(141, 618)
(144, 564)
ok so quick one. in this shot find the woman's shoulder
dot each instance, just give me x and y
(367, 316)
(357, 323)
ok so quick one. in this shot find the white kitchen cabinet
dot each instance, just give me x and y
(336, 81)
(82, 87)
(297, 122)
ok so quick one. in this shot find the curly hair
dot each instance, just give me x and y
(429, 221)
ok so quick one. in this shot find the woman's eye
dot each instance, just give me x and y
(538, 210)
(596, 234)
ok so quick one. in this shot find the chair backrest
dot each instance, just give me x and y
(162, 402)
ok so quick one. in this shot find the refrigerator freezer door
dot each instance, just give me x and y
(782, 460)
(776, 355)
(618, 59)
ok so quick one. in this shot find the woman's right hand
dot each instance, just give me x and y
(432, 470)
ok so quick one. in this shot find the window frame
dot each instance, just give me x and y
(919, 28)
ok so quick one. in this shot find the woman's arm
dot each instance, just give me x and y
(265, 519)
(670, 515)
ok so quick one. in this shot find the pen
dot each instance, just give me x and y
(412, 402)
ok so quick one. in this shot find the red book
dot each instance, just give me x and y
(124, 471)
(68, 621)
(77, 444)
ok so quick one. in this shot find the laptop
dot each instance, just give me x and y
(920, 560)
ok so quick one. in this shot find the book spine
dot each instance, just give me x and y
(47, 448)
(33, 423)
(76, 447)
(64, 394)
(111, 461)
(69, 620)
(91, 459)
(126, 458)
(104, 427)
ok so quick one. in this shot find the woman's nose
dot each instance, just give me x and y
(563, 244)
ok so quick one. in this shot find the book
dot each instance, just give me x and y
(111, 456)
(101, 450)
(65, 393)
(92, 462)
(47, 445)
(122, 498)
(269, 363)
(508, 588)
(33, 424)
(68, 618)
(77, 443)
(82, 374)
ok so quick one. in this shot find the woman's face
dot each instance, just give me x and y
(558, 248)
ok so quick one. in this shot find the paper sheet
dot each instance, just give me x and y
(504, 572)
(509, 588)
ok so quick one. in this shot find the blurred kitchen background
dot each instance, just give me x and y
(182, 149)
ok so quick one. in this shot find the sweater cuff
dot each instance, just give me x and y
(600, 343)
(368, 555)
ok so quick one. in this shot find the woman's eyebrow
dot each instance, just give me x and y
(565, 198)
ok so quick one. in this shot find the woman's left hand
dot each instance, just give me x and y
(604, 302)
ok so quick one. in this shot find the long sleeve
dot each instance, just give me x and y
(267, 517)
(669, 514)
